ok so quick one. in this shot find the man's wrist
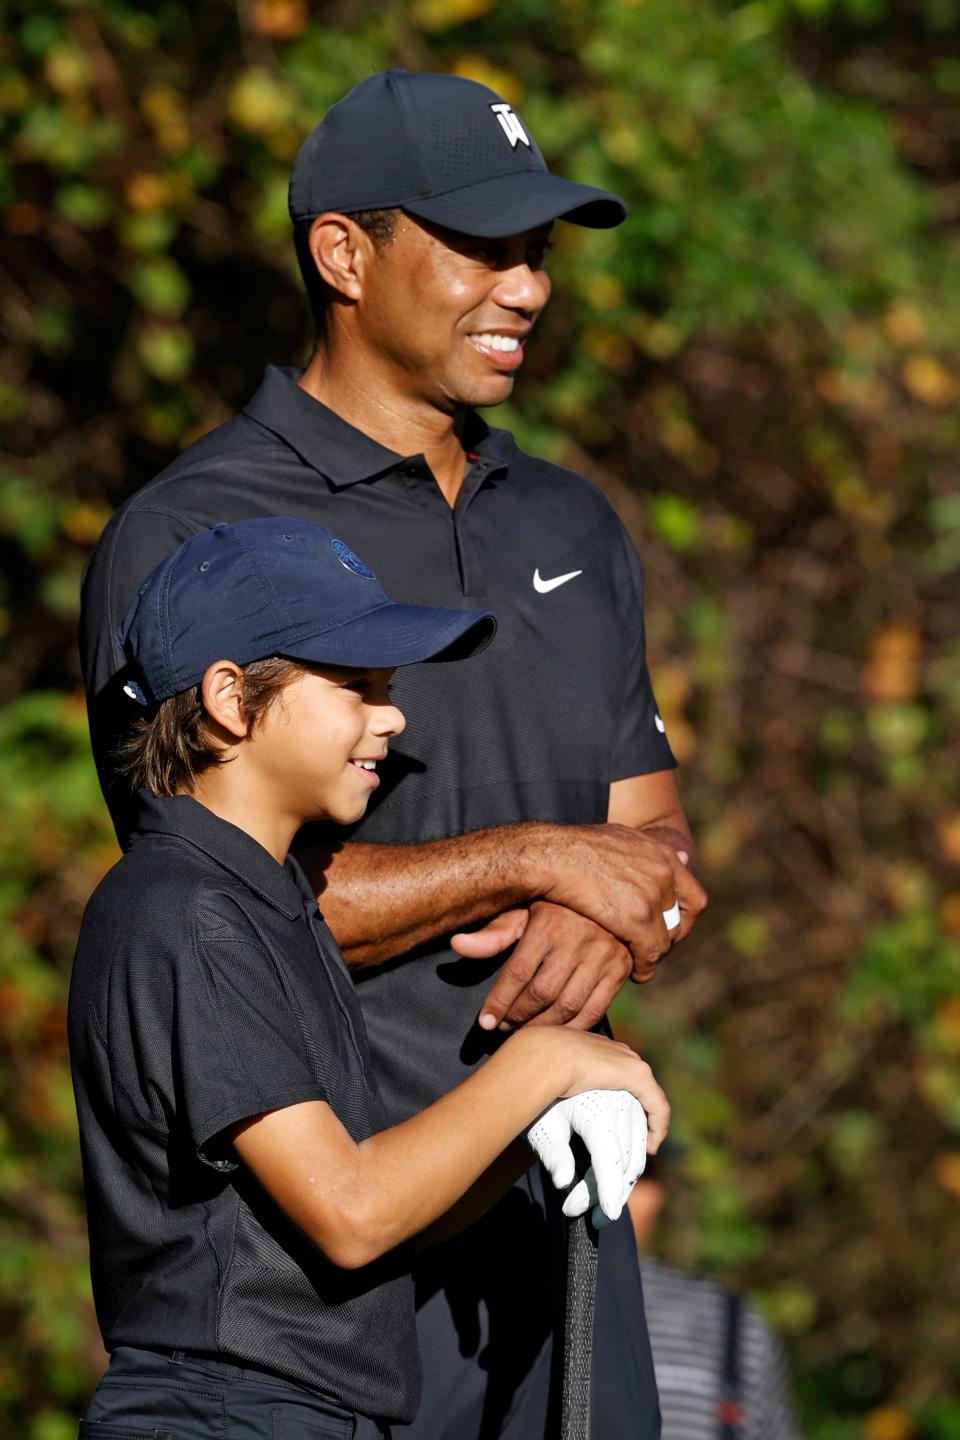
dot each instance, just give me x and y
(679, 841)
(535, 858)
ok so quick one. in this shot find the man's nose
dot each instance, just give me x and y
(522, 288)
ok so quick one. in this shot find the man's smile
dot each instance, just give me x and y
(505, 350)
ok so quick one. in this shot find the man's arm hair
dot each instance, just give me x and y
(381, 901)
(384, 900)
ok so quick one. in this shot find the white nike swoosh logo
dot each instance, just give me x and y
(543, 587)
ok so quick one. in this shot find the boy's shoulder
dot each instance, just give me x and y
(156, 898)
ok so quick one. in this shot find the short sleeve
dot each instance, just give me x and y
(640, 745)
(242, 1045)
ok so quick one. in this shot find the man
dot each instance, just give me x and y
(421, 212)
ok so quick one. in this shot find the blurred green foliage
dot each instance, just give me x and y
(761, 368)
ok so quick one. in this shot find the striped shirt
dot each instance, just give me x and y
(687, 1317)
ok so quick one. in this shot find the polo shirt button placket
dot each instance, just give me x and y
(473, 480)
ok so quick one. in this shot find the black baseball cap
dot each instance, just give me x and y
(442, 148)
(278, 587)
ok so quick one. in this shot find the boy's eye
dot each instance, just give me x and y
(367, 687)
(359, 684)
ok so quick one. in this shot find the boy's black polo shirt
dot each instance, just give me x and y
(206, 990)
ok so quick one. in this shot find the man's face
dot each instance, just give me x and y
(449, 313)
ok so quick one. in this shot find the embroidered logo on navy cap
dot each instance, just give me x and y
(510, 125)
(349, 561)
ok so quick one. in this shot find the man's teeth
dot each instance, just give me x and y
(498, 342)
(366, 764)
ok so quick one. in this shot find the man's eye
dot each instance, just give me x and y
(538, 254)
(483, 252)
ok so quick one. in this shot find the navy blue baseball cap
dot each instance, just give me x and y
(278, 587)
(445, 149)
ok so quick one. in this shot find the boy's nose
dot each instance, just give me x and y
(389, 720)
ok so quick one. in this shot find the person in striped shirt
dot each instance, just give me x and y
(721, 1370)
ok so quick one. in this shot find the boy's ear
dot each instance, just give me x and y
(221, 691)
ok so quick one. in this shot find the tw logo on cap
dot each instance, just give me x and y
(510, 125)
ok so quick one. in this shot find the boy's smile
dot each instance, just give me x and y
(370, 768)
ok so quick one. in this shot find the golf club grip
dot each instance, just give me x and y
(578, 1329)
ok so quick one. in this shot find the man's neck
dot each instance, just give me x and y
(358, 394)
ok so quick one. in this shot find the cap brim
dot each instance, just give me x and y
(522, 200)
(398, 635)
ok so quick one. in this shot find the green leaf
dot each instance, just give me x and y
(84, 205)
(166, 351)
(160, 286)
(676, 521)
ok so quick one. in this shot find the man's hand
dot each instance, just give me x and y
(565, 970)
(625, 880)
(613, 1127)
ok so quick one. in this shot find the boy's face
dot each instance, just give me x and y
(318, 742)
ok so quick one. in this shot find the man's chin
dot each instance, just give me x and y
(481, 394)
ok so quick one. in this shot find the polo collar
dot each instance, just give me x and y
(336, 449)
(281, 886)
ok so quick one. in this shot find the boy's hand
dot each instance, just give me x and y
(613, 1127)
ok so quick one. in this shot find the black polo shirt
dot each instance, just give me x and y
(205, 990)
(536, 727)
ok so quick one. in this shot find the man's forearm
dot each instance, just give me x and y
(384, 900)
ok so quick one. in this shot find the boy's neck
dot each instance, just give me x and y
(250, 812)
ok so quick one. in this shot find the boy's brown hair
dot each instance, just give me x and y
(169, 748)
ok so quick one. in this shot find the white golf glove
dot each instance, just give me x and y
(613, 1126)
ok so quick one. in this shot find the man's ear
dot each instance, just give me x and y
(339, 248)
(221, 691)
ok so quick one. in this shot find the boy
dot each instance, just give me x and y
(248, 1212)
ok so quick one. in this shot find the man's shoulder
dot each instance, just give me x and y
(539, 479)
(224, 455)
(231, 473)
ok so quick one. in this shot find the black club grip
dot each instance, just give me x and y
(578, 1329)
